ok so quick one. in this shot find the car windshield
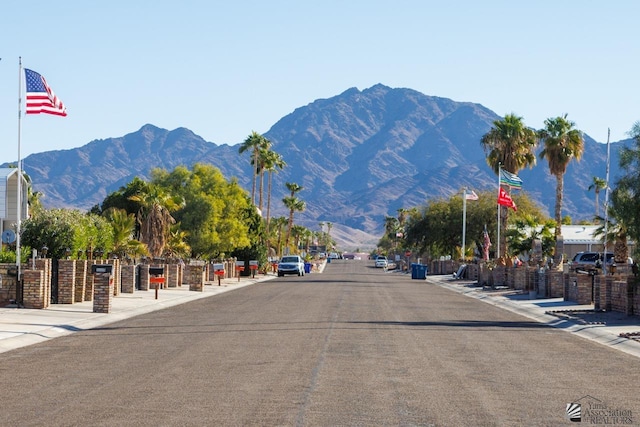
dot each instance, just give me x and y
(289, 259)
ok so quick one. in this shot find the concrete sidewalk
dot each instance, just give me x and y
(602, 327)
(20, 327)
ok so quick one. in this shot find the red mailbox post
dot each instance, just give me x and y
(218, 270)
(239, 268)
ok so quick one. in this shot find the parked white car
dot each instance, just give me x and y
(291, 264)
(382, 262)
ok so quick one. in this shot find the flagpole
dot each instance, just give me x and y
(19, 180)
(498, 244)
(464, 220)
(606, 206)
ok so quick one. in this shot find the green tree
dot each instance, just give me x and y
(213, 215)
(509, 145)
(562, 143)
(154, 217)
(436, 229)
(597, 185)
(628, 185)
(617, 230)
(527, 228)
(64, 232)
(121, 198)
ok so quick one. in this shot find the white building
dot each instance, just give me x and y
(9, 199)
(578, 238)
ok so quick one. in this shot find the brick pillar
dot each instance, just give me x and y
(34, 294)
(194, 276)
(44, 264)
(128, 278)
(66, 281)
(81, 279)
(172, 276)
(102, 292)
(88, 288)
(144, 277)
(597, 287)
(116, 275)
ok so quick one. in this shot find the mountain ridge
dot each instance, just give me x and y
(359, 155)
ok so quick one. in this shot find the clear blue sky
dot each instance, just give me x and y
(223, 69)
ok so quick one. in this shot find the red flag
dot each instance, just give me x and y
(505, 200)
(40, 97)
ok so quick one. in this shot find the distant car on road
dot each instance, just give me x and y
(291, 264)
(382, 262)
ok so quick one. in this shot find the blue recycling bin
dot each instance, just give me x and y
(418, 271)
(307, 267)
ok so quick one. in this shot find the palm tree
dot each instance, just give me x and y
(617, 225)
(155, 218)
(273, 162)
(562, 143)
(278, 224)
(509, 145)
(294, 205)
(177, 246)
(253, 143)
(597, 185)
(263, 157)
(124, 226)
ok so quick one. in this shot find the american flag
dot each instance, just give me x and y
(40, 97)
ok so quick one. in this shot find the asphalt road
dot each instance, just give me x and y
(353, 346)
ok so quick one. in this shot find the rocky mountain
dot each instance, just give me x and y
(360, 156)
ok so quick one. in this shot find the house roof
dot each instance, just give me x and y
(580, 234)
(7, 172)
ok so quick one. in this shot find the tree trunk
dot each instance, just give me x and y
(268, 200)
(558, 211)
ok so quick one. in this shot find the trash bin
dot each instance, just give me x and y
(307, 267)
(328, 260)
(418, 271)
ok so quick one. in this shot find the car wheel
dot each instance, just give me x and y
(280, 274)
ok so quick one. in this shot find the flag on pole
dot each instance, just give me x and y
(470, 195)
(505, 199)
(510, 179)
(40, 97)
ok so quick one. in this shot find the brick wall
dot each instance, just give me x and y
(8, 289)
(555, 284)
(88, 289)
(102, 292)
(81, 279)
(173, 276)
(34, 292)
(66, 281)
(144, 277)
(194, 276)
(116, 274)
(578, 288)
(128, 278)
(44, 264)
